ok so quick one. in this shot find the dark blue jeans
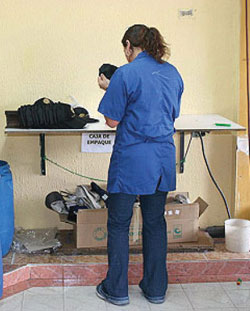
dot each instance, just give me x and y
(120, 210)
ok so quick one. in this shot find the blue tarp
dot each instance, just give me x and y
(1, 273)
(6, 207)
(6, 214)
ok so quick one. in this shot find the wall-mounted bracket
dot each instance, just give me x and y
(42, 154)
(183, 154)
(182, 145)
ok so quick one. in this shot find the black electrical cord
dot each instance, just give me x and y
(210, 173)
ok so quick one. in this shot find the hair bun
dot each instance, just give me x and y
(148, 39)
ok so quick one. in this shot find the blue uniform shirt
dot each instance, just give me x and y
(144, 96)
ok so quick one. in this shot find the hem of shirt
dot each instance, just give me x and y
(168, 189)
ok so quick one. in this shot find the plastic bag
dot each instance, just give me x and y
(35, 240)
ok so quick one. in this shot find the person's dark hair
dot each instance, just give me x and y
(148, 39)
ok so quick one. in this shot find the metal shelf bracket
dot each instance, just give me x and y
(42, 154)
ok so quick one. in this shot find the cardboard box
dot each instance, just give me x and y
(183, 219)
(182, 224)
(91, 227)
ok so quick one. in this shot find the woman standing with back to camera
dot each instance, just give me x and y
(142, 100)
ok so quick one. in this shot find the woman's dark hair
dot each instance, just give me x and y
(148, 39)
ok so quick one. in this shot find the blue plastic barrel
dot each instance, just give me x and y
(6, 207)
(1, 273)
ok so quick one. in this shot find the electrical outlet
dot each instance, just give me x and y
(186, 13)
(196, 133)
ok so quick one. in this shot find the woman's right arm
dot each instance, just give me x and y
(111, 123)
(114, 101)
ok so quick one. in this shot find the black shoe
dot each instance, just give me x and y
(156, 300)
(119, 301)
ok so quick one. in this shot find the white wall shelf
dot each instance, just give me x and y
(191, 123)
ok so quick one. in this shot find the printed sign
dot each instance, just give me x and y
(97, 142)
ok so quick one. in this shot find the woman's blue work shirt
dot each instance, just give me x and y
(144, 96)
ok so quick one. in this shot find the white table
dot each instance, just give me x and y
(185, 123)
(191, 123)
(206, 123)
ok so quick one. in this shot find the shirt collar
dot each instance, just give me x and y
(141, 55)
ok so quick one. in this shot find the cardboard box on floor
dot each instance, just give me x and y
(183, 219)
(182, 224)
(91, 227)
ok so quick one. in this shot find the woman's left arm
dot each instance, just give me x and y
(103, 82)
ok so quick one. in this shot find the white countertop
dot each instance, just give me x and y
(186, 122)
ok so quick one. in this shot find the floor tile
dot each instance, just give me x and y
(174, 287)
(43, 298)
(171, 287)
(233, 285)
(134, 289)
(13, 303)
(81, 298)
(218, 309)
(51, 291)
(202, 286)
(209, 299)
(180, 297)
(240, 298)
(175, 301)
